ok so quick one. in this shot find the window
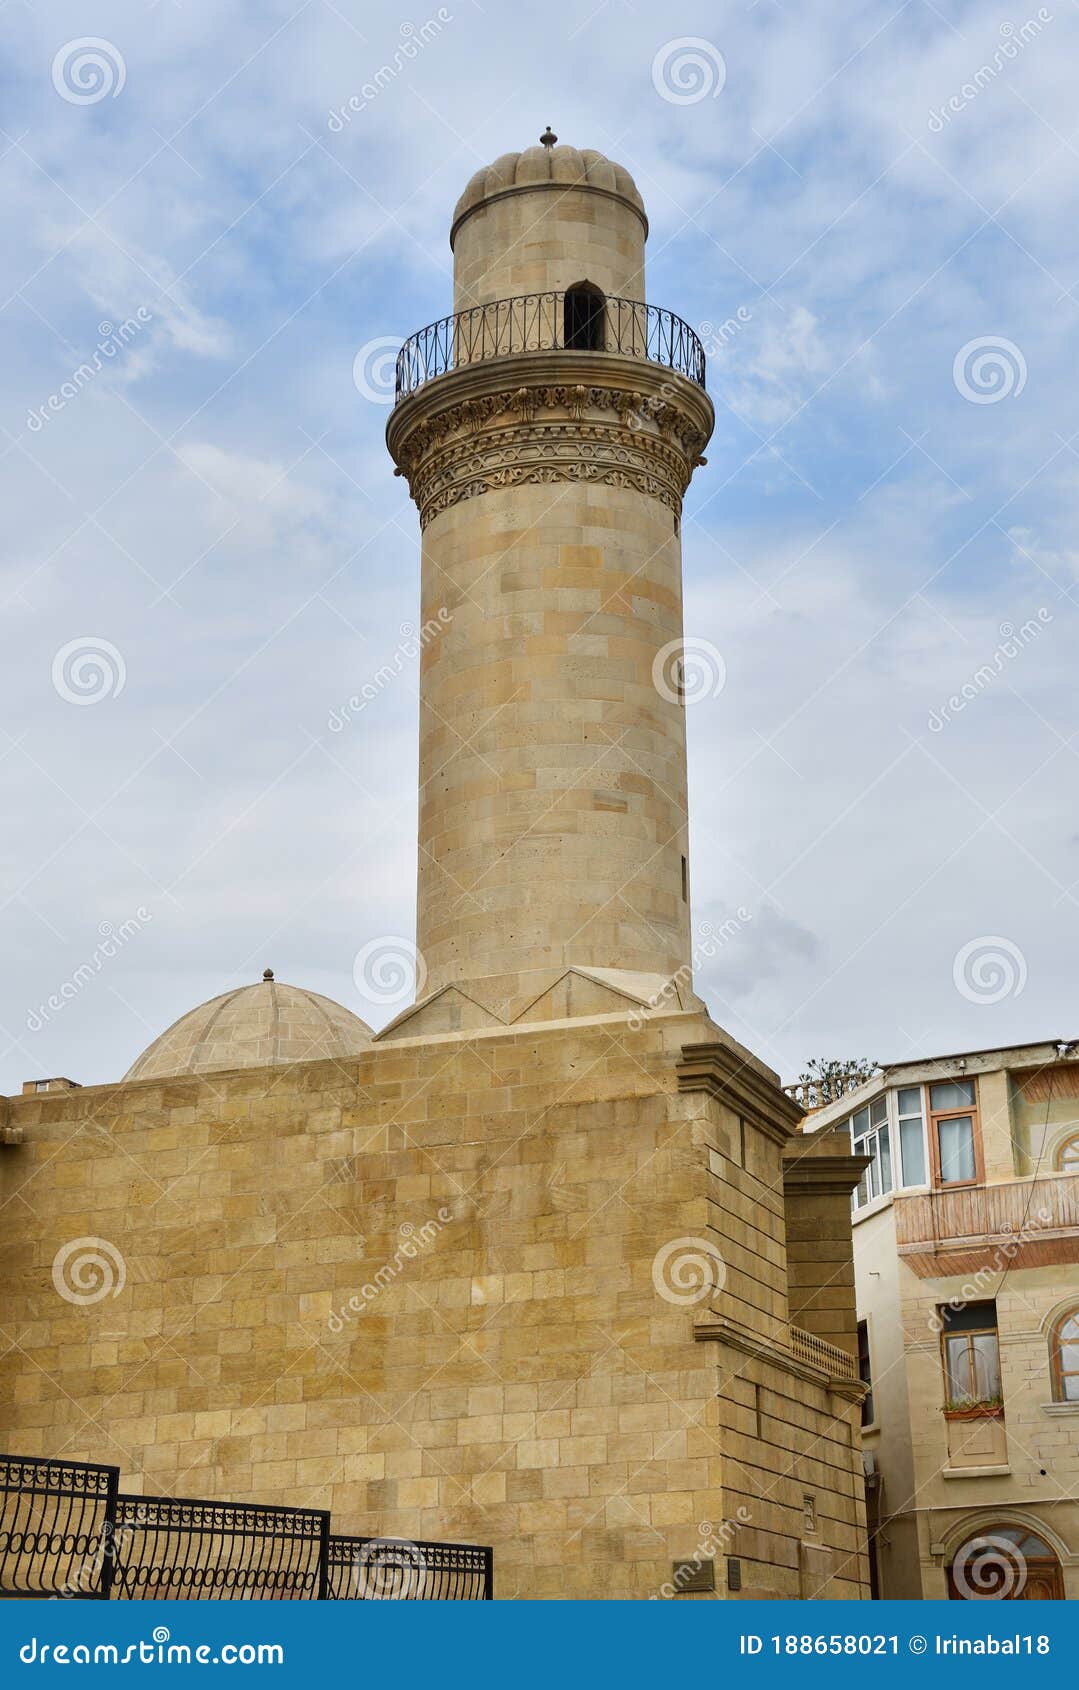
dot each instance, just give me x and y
(865, 1372)
(952, 1139)
(971, 1355)
(893, 1131)
(911, 1115)
(869, 1135)
(1064, 1357)
(1068, 1156)
(1005, 1563)
(584, 313)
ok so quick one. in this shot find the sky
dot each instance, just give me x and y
(866, 211)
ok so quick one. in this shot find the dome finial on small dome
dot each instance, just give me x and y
(267, 973)
(548, 138)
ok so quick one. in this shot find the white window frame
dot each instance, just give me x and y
(875, 1186)
(900, 1181)
(905, 1184)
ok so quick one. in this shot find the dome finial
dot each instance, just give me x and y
(267, 973)
(548, 138)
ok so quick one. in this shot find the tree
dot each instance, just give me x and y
(829, 1078)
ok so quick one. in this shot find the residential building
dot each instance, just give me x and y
(966, 1262)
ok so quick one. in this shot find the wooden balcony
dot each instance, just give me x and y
(1023, 1223)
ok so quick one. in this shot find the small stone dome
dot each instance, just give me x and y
(253, 1027)
(547, 167)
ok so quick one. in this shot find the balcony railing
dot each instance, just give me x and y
(537, 322)
(837, 1363)
(1027, 1223)
(66, 1531)
(819, 1093)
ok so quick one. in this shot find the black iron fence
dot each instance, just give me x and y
(549, 322)
(66, 1530)
(382, 1569)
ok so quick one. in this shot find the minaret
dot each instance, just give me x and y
(548, 430)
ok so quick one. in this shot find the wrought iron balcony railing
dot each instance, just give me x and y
(549, 322)
(66, 1531)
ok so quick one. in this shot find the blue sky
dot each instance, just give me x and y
(880, 198)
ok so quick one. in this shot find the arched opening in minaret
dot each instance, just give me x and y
(584, 318)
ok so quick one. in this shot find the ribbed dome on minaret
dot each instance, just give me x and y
(550, 166)
(544, 219)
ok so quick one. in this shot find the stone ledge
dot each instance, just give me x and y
(997, 1472)
(739, 1080)
(715, 1329)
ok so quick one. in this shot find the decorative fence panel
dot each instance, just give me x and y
(55, 1525)
(388, 1570)
(66, 1531)
(182, 1548)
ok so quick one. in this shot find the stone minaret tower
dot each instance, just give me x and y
(548, 430)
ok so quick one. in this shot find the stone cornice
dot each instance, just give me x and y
(714, 1329)
(541, 417)
(816, 1170)
(737, 1081)
(562, 188)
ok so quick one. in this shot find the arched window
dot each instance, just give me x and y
(1005, 1563)
(1068, 1155)
(1064, 1357)
(584, 315)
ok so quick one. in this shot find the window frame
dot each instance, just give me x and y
(1071, 1142)
(893, 1119)
(933, 1118)
(1057, 1374)
(923, 1118)
(872, 1132)
(955, 1405)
